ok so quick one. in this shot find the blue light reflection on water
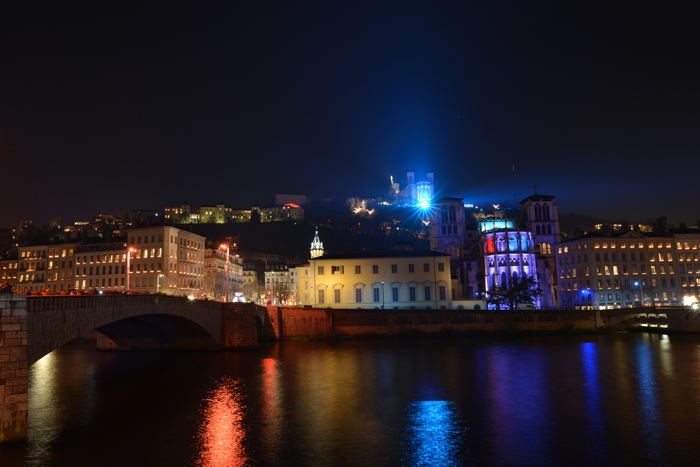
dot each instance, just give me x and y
(434, 434)
(594, 412)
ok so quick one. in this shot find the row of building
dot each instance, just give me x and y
(612, 266)
(153, 260)
(474, 256)
(221, 214)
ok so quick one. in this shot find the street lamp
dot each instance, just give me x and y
(225, 247)
(158, 282)
(382, 282)
(129, 250)
(641, 291)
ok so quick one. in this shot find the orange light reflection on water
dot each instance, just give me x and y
(222, 431)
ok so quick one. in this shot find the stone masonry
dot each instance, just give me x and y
(13, 367)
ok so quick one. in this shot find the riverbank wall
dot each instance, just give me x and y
(316, 323)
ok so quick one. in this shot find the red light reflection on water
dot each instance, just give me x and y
(222, 431)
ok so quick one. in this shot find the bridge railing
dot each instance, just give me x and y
(40, 303)
(46, 303)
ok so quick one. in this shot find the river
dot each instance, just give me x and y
(549, 400)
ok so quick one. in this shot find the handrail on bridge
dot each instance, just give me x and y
(64, 302)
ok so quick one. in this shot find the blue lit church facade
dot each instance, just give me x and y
(508, 254)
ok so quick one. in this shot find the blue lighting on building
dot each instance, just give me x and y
(424, 204)
(490, 224)
(434, 434)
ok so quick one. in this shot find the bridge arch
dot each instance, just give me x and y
(136, 321)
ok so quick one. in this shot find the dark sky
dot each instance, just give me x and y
(104, 109)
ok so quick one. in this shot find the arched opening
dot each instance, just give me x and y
(158, 331)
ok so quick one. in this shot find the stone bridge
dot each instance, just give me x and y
(31, 327)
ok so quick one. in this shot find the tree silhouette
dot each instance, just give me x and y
(517, 291)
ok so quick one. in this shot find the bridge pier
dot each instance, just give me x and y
(14, 368)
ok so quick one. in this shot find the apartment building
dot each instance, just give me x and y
(222, 280)
(629, 269)
(166, 259)
(45, 268)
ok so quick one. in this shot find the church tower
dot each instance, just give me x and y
(541, 216)
(542, 219)
(316, 246)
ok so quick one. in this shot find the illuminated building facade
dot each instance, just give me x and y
(216, 214)
(47, 268)
(100, 267)
(278, 288)
(222, 280)
(8, 271)
(167, 260)
(541, 216)
(289, 211)
(376, 280)
(454, 233)
(302, 284)
(630, 269)
(251, 284)
(508, 255)
(420, 193)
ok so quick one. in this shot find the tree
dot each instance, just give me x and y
(517, 291)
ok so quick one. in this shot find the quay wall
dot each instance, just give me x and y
(291, 323)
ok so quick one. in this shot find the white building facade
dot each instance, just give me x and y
(166, 260)
(377, 280)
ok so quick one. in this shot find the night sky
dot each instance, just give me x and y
(105, 109)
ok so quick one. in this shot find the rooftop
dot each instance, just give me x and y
(537, 197)
(383, 254)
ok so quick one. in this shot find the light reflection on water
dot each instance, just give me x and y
(648, 401)
(434, 434)
(608, 400)
(594, 410)
(222, 432)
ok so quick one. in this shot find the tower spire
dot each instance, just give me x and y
(316, 246)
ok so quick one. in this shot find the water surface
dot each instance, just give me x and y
(568, 400)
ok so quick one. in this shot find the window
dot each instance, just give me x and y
(321, 296)
(375, 295)
(395, 294)
(336, 295)
(411, 267)
(320, 272)
(442, 292)
(441, 267)
(394, 268)
(358, 295)
(412, 294)
(426, 267)
(358, 269)
(337, 269)
(375, 269)
(427, 293)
